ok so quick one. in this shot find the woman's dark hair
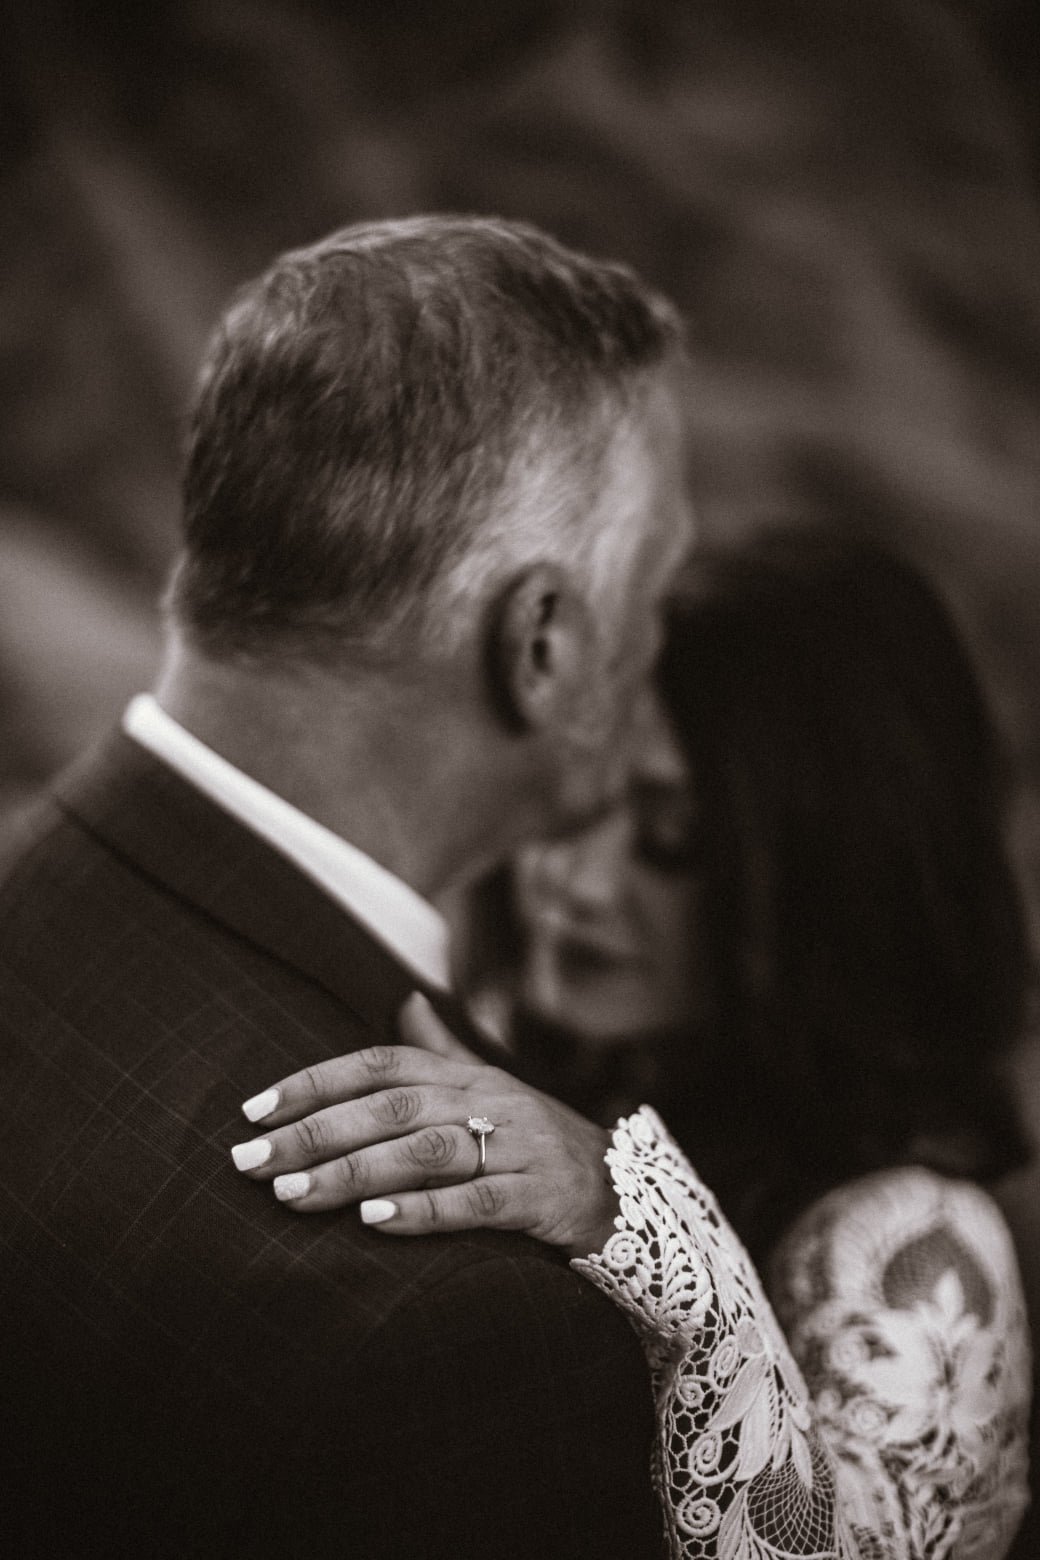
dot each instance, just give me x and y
(865, 941)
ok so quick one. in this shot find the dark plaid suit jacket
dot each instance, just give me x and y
(188, 1369)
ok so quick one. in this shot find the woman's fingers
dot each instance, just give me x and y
(387, 1126)
(495, 1202)
(342, 1129)
(419, 1026)
(435, 1157)
(428, 1158)
(350, 1077)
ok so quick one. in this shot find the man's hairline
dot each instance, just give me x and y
(612, 416)
(614, 412)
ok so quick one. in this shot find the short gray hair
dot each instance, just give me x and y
(362, 408)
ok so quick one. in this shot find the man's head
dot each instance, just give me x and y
(420, 436)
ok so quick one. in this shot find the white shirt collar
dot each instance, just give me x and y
(394, 913)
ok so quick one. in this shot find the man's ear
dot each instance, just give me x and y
(537, 644)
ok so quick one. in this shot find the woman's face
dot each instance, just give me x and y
(611, 914)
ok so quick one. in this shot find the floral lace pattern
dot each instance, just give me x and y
(888, 1424)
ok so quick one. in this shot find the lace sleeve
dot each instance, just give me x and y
(904, 1438)
(900, 1297)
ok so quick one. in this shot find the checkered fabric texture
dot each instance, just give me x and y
(189, 1369)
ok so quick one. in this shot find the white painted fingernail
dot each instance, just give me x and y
(288, 1187)
(261, 1105)
(377, 1210)
(249, 1156)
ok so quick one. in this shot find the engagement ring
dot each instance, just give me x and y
(480, 1128)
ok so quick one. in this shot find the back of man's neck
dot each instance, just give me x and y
(368, 763)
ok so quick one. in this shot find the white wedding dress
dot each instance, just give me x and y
(878, 1414)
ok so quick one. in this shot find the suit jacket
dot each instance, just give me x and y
(189, 1369)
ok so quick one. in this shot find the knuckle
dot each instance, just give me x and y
(313, 1081)
(432, 1149)
(349, 1173)
(485, 1198)
(431, 1212)
(397, 1108)
(379, 1061)
(312, 1137)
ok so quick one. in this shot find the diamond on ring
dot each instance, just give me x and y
(480, 1128)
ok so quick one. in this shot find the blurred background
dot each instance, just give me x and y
(843, 198)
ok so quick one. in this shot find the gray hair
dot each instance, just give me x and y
(365, 406)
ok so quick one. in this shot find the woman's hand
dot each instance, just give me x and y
(386, 1128)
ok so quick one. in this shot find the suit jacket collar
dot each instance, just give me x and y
(165, 828)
